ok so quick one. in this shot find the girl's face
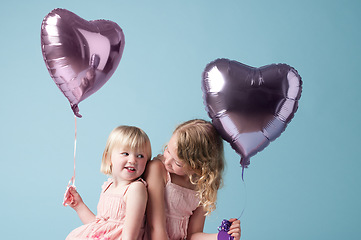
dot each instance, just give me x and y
(128, 164)
(171, 161)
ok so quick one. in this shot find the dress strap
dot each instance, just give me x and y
(140, 180)
(107, 184)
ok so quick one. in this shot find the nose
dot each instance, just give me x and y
(132, 159)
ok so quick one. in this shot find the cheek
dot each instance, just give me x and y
(179, 170)
(167, 160)
(143, 165)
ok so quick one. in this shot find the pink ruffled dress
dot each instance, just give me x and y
(110, 218)
(180, 203)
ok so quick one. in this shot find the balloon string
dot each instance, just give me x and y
(72, 180)
(71, 184)
(74, 150)
(245, 197)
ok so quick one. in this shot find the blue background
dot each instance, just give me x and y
(304, 185)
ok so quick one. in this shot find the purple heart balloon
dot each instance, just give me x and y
(250, 107)
(80, 55)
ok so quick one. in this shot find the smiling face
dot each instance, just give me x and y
(125, 142)
(171, 160)
(128, 164)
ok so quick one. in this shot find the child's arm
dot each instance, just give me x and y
(155, 177)
(196, 224)
(84, 213)
(136, 202)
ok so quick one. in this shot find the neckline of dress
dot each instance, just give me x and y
(113, 193)
(178, 186)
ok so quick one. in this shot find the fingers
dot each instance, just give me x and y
(72, 190)
(236, 236)
(74, 197)
(235, 228)
(235, 224)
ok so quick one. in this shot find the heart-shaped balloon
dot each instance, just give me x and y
(250, 106)
(80, 55)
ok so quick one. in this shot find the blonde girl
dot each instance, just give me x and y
(183, 184)
(122, 203)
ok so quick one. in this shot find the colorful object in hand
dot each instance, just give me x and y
(68, 198)
(80, 55)
(250, 107)
(223, 229)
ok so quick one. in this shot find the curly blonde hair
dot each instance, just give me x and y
(124, 136)
(200, 147)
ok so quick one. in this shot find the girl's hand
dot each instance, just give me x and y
(235, 229)
(76, 200)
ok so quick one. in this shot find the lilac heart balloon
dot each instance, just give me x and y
(250, 107)
(80, 55)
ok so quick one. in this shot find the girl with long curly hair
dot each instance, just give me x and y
(183, 184)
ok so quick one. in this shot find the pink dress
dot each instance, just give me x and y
(180, 203)
(110, 218)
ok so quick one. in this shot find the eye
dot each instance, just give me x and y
(125, 154)
(140, 156)
(178, 164)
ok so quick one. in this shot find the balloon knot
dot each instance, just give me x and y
(75, 109)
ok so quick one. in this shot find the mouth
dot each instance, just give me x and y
(130, 169)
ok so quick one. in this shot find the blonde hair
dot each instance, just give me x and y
(124, 136)
(200, 147)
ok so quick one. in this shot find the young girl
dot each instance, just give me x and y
(124, 196)
(183, 184)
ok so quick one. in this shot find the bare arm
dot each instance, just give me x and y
(196, 225)
(84, 213)
(155, 177)
(136, 202)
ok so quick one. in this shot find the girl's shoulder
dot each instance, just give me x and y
(137, 188)
(141, 180)
(138, 184)
(156, 167)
